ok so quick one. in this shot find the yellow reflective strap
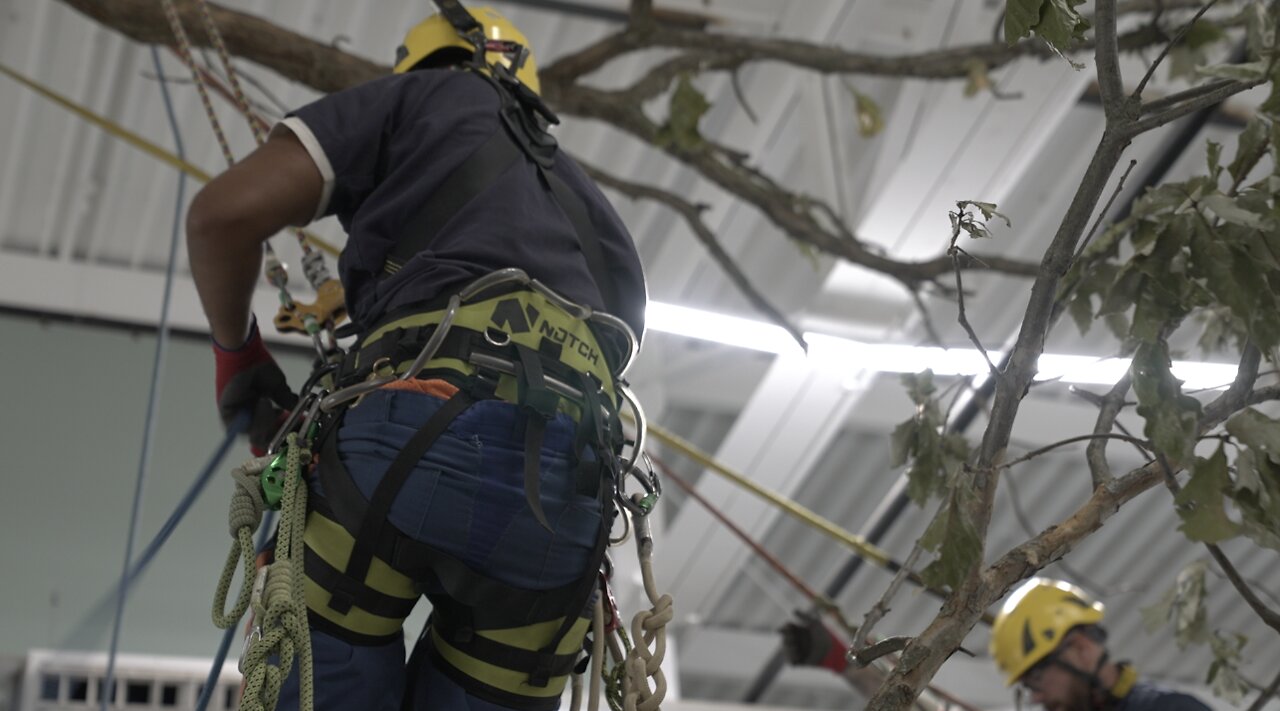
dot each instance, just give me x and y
(528, 317)
(510, 680)
(355, 619)
(329, 540)
(533, 637)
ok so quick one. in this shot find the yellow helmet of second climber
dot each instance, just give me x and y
(435, 34)
(1033, 621)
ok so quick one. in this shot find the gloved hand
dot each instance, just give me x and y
(248, 378)
(807, 642)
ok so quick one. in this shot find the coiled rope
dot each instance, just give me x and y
(276, 591)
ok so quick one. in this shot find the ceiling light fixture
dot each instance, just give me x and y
(832, 352)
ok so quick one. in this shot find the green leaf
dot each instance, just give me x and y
(1190, 619)
(1118, 324)
(1252, 139)
(1228, 209)
(1224, 671)
(1248, 71)
(687, 108)
(919, 386)
(1190, 53)
(1213, 152)
(902, 442)
(1171, 418)
(1155, 616)
(1203, 33)
(988, 210)
(1201, 502)
(956, 540)
(1257, 497)
(1260, 29)
(1056, 21)
(1256, 431)
(867, 111)
(1081, 310)
(927, 474)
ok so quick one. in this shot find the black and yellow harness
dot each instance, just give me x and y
(363, 576)
(504, 337)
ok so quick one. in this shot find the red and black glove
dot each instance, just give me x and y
(807, 642)
(249, 380)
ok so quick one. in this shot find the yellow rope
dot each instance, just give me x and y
(856, 543)
(135, 140)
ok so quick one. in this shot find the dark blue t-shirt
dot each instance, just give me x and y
(1145, 697)
(385, 146)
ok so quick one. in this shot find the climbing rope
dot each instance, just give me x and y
(648, 628)
(275, 591)
(329, 307)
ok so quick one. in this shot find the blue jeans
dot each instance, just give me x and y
(466, 497)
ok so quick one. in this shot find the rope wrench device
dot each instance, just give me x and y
(507, 337)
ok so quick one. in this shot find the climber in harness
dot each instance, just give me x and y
(468, 448)
(1047, 639)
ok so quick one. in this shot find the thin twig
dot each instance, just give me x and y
(1072, 440)
(888, 645)
(1164, 51)
(735, 81)
(881, 608)
(925, 318)
(1221, 92)
(1105, 210)
(961, 316)
(1164, 102)
(1265, 695)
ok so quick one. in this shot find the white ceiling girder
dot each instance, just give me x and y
(785, 427)
(962, 149)
(736, 655)
(114, 294)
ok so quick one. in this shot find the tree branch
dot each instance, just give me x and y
(1179, 105)
(1107, 55)
(1096, 452)
(1266, 694)
(320, 66)
(1091, 438)
(692, 215)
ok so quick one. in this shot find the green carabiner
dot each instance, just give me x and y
(273, 481)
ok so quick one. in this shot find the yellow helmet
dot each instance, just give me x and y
(1033, 621)
(435, 33)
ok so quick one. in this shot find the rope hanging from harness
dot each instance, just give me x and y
(275, 591)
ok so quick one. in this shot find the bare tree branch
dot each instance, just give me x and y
(1178, 107)
(692, 215)
(1107, 55)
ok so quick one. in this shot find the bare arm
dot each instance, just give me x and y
(275, 186)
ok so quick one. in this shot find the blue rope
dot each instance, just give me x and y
(157, 369)
(215, 671)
